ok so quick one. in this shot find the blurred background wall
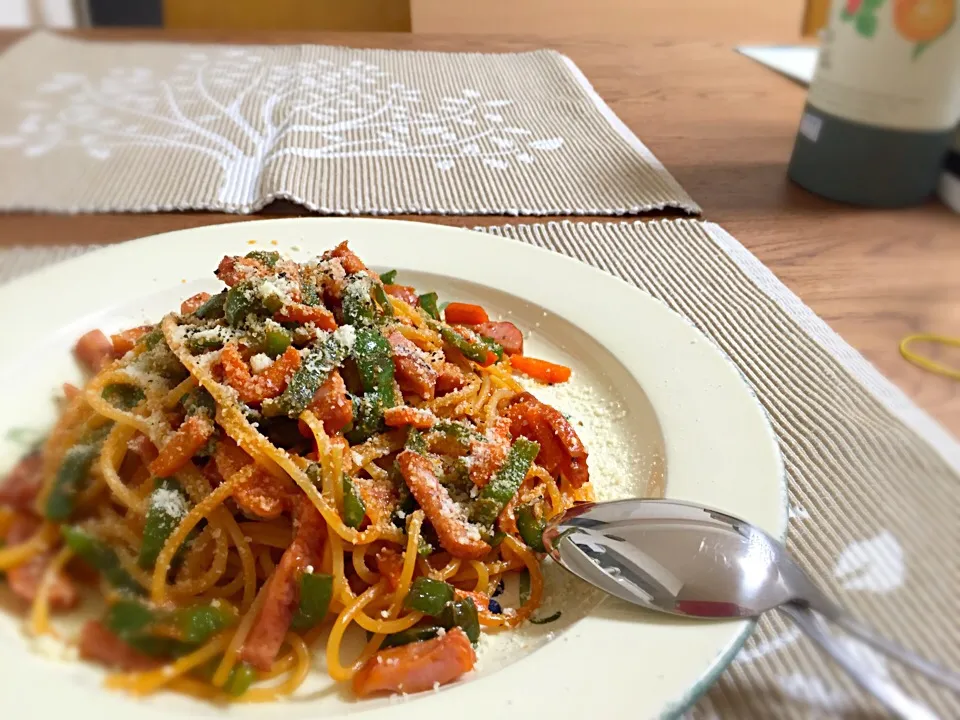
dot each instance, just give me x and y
(720, 20)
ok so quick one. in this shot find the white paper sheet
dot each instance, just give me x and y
(797, 62)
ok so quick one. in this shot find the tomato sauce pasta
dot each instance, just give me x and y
(313, 450)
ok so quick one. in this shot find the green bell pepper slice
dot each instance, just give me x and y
(531, 528)
(367, 417)
(101, 557)
(458, 432)
(166, 507)
(213, 307)
(359, 308)
(199, 402)
(303, 385)
(130, 620)
(354, 509)
(126, 618)
(429, 596)
(151, 339)
(505, 483)
(316, 590)
(462, 614)
(380, 295)
(276, 341)
(241, 300)
(415, 441)
(72, 473)
(241, 677)
(309, 294)
(123, 395)
(270, 258)
(199, 623)
(428, 301)
(478, 352)
(413, 635)
(374, 358)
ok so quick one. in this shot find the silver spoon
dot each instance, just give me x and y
(686, 559)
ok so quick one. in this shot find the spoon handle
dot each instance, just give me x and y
(890, 696)
(938, 674)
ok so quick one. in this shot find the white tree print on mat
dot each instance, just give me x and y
(818, 693)
(875, 565)
(264, 112)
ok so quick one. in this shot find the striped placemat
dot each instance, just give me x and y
(874, 482)
(110, 126)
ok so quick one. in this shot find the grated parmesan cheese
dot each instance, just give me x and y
(53, 649)
(346, 335)
(278, 288)
(169, 502)
(260, 362)
(449, 509)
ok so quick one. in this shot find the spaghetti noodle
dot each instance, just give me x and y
(313, 448)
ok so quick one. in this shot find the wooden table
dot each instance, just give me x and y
(724, 126)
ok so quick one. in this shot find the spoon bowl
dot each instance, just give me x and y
(686, 559)
(675, 557)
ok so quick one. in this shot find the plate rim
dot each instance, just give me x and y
(708, 675)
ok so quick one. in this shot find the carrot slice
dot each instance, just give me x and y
(465, 314)
(189, 437)
(348, 259)
(541, 370)
(123, 342)
(257, 388)
(300, 313)
(418, 666)
(193, 302)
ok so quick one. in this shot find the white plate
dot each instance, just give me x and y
(655, 397)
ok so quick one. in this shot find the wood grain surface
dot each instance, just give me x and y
(724, 126)
(732, 21)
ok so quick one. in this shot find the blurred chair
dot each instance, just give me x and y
(357, 15)
(815, 16)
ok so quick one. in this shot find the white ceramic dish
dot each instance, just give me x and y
(659, 397)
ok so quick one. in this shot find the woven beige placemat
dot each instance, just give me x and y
(96, 126)
(874, 482)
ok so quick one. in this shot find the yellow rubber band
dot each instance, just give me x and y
(926, 363)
